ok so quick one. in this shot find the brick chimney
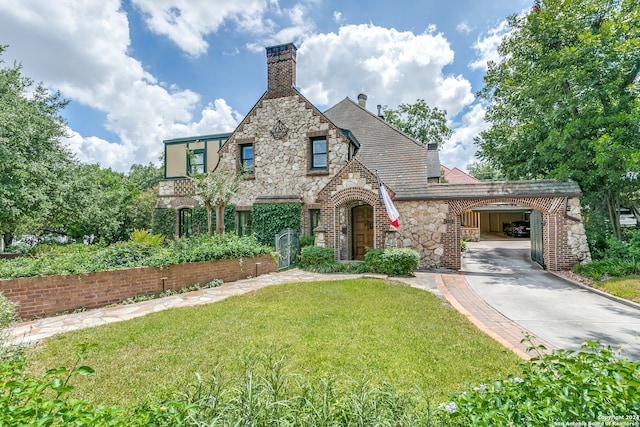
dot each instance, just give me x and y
(362, 100)
(281, 70)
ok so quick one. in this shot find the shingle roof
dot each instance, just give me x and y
(398, 159)
(534, 188)
(456, 176)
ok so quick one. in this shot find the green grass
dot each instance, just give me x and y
(352, 328)
(626, 287)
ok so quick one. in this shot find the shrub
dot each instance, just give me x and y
(558, 388)
(144, 238)
(7, 312)
(27, 400)
(131, 254)
(393, 262)
(307, 241)
(373, 260)
(18, 248)
(316, 258)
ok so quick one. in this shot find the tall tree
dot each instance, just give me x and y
(214, 190)
(145, 176)
(96, 204)
(31, 155)
(564, 99)
(425, 124)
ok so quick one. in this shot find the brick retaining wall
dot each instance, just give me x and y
(48, 295)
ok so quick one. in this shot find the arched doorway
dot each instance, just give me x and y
(362, 226)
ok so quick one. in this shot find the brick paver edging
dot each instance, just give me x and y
(464, 299)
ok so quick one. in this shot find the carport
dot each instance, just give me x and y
(558, 240)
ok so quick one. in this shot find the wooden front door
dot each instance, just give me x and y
(362, 230)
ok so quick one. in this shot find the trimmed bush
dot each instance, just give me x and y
(315, 257)
(393, 262)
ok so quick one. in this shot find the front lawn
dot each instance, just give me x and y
(353, 329)
(625, 287)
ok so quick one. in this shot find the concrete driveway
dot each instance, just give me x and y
(500, 272)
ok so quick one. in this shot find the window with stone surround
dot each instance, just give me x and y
(318, 153)
(246, 157)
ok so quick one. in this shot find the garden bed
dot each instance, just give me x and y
(49, 295)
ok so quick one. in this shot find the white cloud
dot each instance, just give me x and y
(80, 47)
(464, 27)
(337, 16)
(487, 46)
(187, 22)
(390, 66)
(460, 150)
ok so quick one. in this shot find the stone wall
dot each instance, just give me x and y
(422, 227)
(49, 295)
(576, 235)
(281, 165)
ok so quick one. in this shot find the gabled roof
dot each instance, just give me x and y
(397, 158)
(456, 176)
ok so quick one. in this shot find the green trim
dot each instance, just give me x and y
(199, 138)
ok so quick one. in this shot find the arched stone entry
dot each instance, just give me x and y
(563, 239)
(352, 188)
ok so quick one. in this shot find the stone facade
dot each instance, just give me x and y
(422, 228)
(281, 165)
(576, 237)
(280, 131)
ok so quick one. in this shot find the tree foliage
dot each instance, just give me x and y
(31, 155)
(564, 99)
(425, 124)
(214, 190)
(485, 171)
(145, 176)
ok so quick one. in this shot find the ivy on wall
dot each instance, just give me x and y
(199, 220)
(164, 222)
(229, 218)
(268, 219)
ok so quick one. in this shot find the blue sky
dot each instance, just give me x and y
(141, 71)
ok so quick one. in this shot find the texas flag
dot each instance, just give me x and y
(392, 212)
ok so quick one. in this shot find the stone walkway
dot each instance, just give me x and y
(452, 287)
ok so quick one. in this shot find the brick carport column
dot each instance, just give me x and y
(451, 242)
